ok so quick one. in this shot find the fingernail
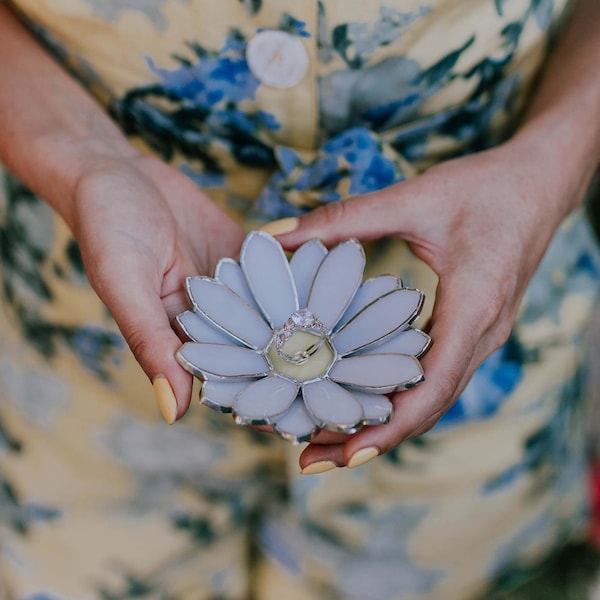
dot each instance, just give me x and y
(165, 398)
(281, 226)
(360, 457)
(318, 467)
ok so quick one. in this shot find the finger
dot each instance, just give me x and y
(318, 459)
(432, 421)
(490, 341)
(368, 217)
(133, 297)
(326, 437)
(448, 365)
(416, 409)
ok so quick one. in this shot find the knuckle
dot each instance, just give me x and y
(501, 334)
(425, 427)
(447, 387)
(333, 213)
(138, 344)
(492, 309)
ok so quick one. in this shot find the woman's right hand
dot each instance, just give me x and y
(142, 228)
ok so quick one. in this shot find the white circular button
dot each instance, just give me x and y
(277, 58)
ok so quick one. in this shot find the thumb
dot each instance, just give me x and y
(140, 314)
(368, 217)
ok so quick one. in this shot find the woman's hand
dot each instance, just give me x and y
(142, 227)
(482, 223)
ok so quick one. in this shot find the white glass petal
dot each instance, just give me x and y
(264, 399)
(368, 292)
(331, 406)
(411, 341)
(304, 265)
(269, 277)
(219, 361)
(295, 424)
(230, 273)
(226, 309)
(220, 395)
(392, 312)
(377, 408)
(336, 282)
(383, 373)
(200, 329)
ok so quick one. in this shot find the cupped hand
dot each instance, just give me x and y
(142, 228)
(482, 223)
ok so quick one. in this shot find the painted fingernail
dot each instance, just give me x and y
(281, 226)
(165, 398)
(318, 467)
(360, 457)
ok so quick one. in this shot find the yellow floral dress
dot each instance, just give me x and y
(100, 500)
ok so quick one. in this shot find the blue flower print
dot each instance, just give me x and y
(293, 26)
(356, 156)
(197, 105)
(222, 76)
(490, 385)
(550, 453)
(97, 348)
(356, 43)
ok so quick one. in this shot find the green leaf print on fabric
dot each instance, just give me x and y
(19, 516)
(252, 6)
(512, 34)
(199, 528)
(422, 445)
(543, 10)
(133, 587)
(8, 442)
(357, 42)
(27, 238)
(570, 574)
(15, 514)
(74, 257)
(203, 536)
(500, 6)
(195, 110)
(549, 452)
(294, 26)
(440, 73)
(111, 10)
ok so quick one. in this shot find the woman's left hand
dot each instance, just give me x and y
(482, 223)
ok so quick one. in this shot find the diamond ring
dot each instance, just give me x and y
(300, 320)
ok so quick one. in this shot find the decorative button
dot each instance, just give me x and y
(277, 58)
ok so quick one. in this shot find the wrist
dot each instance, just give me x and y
(58, 132)
(558, 162)
(561, 130)
(68, 157)
(59, 159)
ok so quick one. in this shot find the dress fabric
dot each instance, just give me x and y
(100, 500)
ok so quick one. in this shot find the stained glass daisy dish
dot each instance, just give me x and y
(304, 344)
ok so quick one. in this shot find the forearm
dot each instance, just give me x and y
(51, 130)
(561, 129)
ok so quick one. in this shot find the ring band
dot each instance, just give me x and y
(300, 320)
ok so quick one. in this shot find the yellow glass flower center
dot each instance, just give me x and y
(302, 343)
